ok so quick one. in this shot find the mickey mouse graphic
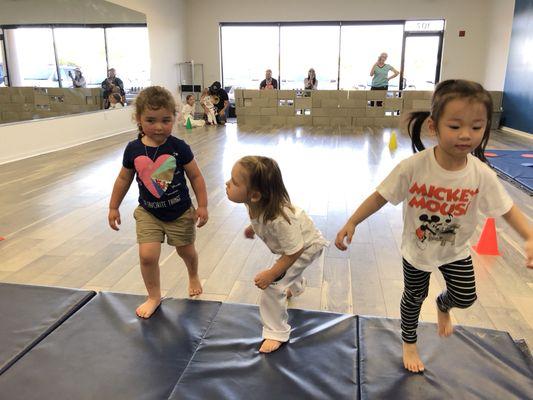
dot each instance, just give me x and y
(447, 230)
(432, 229)
(427, 229)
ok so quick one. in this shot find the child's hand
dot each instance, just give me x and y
(249, 232)
(114, 218)
(346, 232)
(529, 252)
(202, 216)
(264, 278)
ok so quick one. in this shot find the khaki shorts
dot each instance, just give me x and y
(179, 232)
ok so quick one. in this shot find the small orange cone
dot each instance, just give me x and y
(1, 238)
(488, 243)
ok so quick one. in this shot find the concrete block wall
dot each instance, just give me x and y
(26, 103)
(344, 108)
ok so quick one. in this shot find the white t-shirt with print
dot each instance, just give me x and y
(440, 207)
(282, 237)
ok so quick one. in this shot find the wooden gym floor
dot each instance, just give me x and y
(53, 215)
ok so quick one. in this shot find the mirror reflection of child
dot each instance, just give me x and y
(115, 100)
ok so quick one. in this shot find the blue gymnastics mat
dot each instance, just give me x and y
(206, 350)
(513, 166)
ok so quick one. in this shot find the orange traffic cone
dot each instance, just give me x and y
(1, 238)
(488, 242)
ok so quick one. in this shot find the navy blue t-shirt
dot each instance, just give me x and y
(160, 175)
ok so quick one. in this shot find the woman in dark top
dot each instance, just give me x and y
(311, 83)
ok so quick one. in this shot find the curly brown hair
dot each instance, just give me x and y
(153, 98)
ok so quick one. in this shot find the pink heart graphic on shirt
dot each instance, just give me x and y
(156, 175)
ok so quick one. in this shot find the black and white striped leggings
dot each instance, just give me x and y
(460, 292)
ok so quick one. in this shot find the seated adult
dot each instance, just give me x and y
(78, 81)
(220, 99)
(268, 82)
(112, 84)
(311, 83)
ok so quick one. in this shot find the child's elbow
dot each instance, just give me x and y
(196, 176)
(510, 212)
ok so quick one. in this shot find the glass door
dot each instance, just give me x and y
(421, 61)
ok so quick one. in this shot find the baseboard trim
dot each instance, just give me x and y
(53, 150)
(516, 132)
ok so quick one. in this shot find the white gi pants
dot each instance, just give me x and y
(194, 122)
(273, 303)
(211, 116)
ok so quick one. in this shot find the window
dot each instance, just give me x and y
(38, 50)
(309, 46)
(3, 67)
(128, 52)
(361, 46)
(35, 50)
(341, 53)
(82, 48)
(422, 54)
(260, 44)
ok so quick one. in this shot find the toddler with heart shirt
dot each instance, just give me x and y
(160, 162)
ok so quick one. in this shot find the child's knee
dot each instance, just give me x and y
(147, 259)
(466, 301)
(415, 297)
(187, 253)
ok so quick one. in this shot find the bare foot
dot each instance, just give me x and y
(195, 286)
(411, 359)
(289, 294)
(269, 346)
(146, 309)
(445, 323)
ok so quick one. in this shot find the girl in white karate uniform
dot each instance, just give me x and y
(286, 230)
(209, 108)
(188, 112)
